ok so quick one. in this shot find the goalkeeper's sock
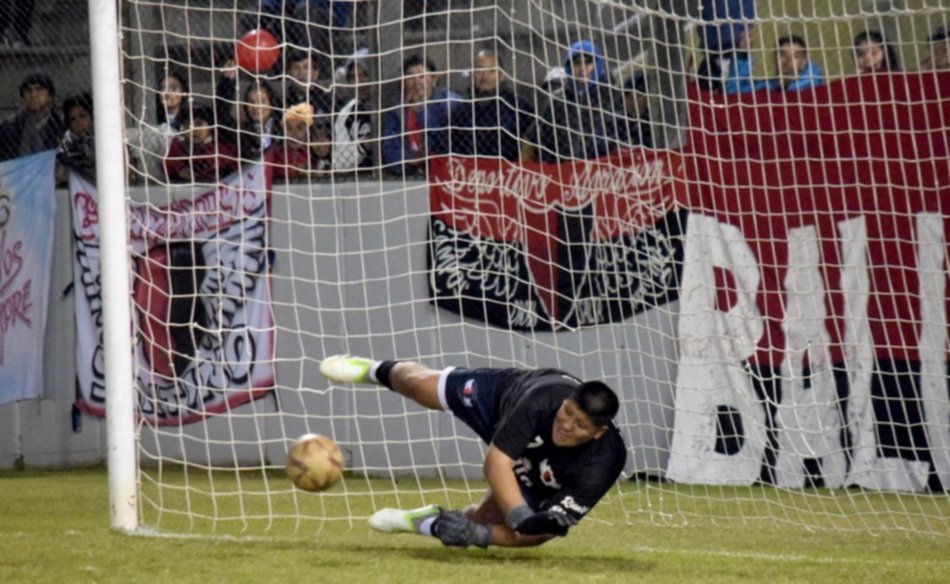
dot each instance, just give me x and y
(379, 372)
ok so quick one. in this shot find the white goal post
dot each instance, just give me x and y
(736, 213)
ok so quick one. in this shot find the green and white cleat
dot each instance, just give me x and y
(346, 369)
(399, 521)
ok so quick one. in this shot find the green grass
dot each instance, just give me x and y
(54, 528)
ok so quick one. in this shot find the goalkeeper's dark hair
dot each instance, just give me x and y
(597, 400)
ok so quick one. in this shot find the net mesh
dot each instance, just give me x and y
(733, 212)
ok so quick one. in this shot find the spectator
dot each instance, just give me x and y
(796, 71)
(939, 57)
(304, 73)
(636, 103)
(554, 80)
(417, 128)
(353, 125)
(170, 101)
(258, 127)
(16, 20)
(77, 150)
(583, 120)
(299, 152)
(197, 155)
(728, 64)
(490, 120)
(39, 126)
(873, 55)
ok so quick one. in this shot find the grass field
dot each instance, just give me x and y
(54, 528)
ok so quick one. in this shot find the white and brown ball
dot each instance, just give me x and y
(314, 463)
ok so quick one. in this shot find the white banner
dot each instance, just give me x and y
(27, 213)
(202, 305)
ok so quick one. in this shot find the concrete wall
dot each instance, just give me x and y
(350, 276)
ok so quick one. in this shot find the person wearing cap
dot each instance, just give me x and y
(939, 57)
(38, 126)
(490, 120)
(584, 120)
(197, 154)
(553, 450)
(637, 109)
(353, 122)
(726, 41)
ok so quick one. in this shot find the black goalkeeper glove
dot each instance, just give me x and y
(526, 522)
(454, 528)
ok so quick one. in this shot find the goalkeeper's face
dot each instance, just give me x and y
(572, 427)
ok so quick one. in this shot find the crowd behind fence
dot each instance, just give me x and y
(313, 117)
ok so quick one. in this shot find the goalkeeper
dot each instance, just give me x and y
(553, 450)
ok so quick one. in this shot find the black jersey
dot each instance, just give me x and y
(571, 480)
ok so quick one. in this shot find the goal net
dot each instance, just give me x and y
(735, 213)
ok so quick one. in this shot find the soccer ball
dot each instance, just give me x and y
(257, 51)
(314, 463)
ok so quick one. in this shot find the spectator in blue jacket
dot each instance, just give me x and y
(584, 120)
(728, 64)
(726, 39)
(490, 120)
(796, 71)
(419, 127)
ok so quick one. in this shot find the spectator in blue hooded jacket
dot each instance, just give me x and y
(419, 127)
(796, 71)
(584, 120)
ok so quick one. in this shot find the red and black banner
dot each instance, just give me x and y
(555, 246)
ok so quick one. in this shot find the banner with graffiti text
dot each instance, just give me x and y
(555, 246)
(202, 303)
(27, 215)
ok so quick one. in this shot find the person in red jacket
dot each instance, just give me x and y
(197, 155)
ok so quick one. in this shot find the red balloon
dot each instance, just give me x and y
(257, 51)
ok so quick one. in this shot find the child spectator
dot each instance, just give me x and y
(584, 120)
(490, 120)
(419, 127)
(197, 155)
(353, 125)
(796, 71)
(77, 151)
(38, 126)
(170, 101)
(258, 127)
(873, 55)
(637, 109)
(305, 147)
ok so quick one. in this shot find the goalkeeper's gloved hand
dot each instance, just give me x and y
(525, 521)
(455, 529)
